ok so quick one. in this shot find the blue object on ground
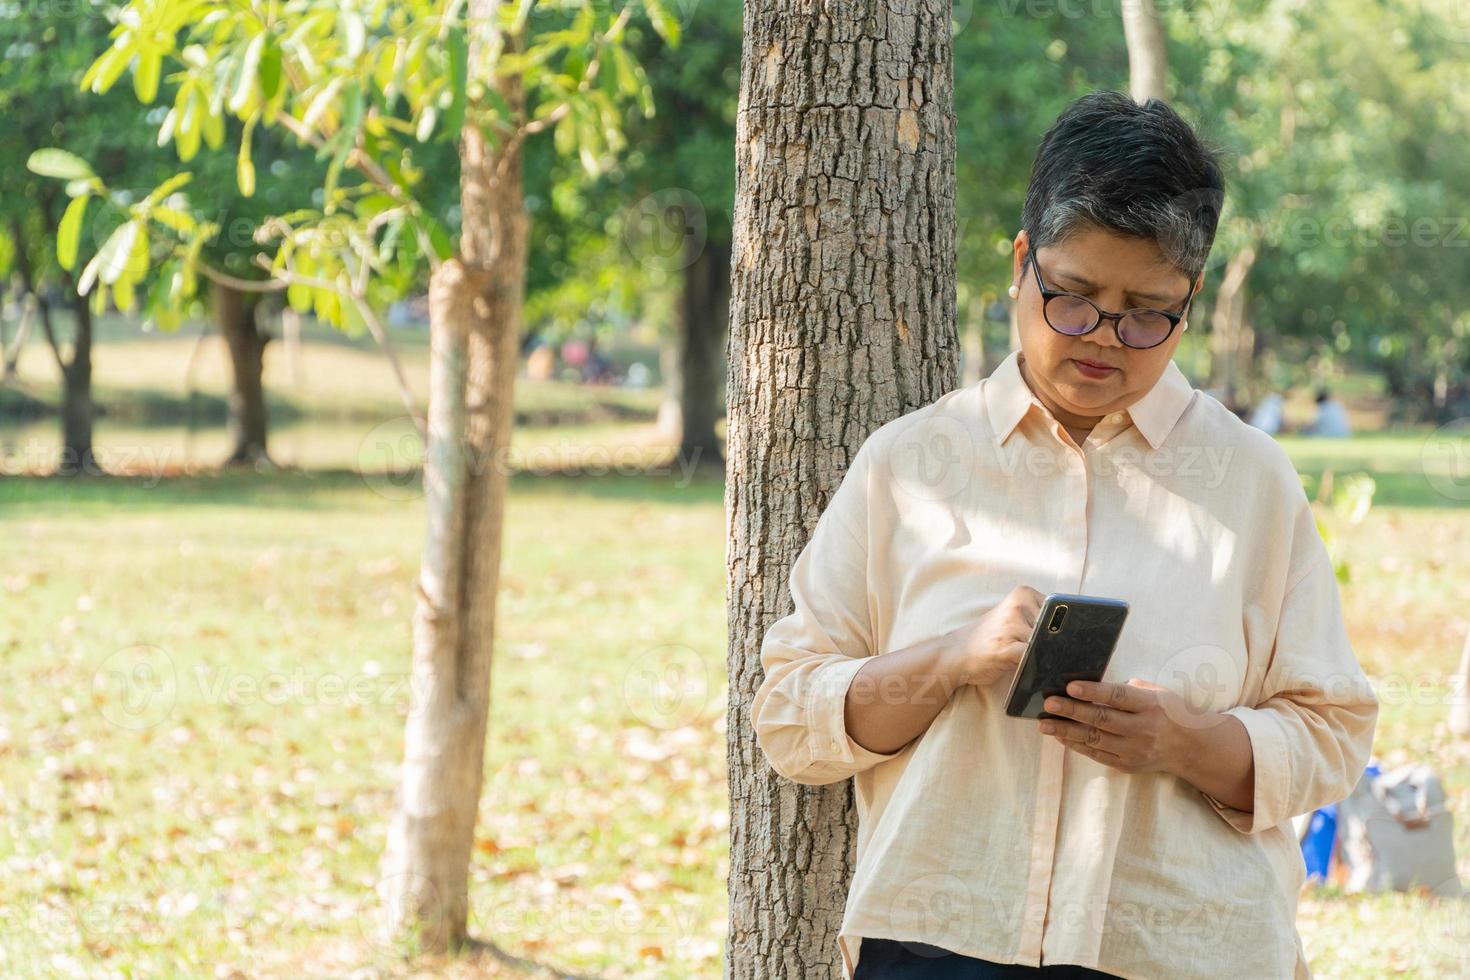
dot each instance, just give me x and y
(1317, 844)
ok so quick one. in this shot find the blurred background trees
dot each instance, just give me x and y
(1342, 249)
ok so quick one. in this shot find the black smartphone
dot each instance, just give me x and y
(1073, 640)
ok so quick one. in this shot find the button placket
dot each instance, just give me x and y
(1053, 771)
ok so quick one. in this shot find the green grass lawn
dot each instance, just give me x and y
(230, 824)
(236, 818)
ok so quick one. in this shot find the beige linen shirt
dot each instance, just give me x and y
(983, 835)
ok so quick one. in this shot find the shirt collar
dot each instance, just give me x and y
(1008, 398)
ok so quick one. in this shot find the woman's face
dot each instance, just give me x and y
(1117, 274)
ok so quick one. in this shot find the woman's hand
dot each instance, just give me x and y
(991, 648)
(1131, 727)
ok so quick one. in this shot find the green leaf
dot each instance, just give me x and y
(166, 188)
(352, 106)
(51, 162)
(270, 69)
(354, 33)
(438, 236)
(122, 293)
(186, 131)
(323, 101)
(180, 222)
(663, 22)
(213, 126)
(564, 134)
(70, 232)
(109, 66)
(244, 166)
(372, 205)
(145, 76)
(249, 74)
(116, 253)
(426, 123)
(458, 53)
(623, 70)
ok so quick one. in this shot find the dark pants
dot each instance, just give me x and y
(889, 959)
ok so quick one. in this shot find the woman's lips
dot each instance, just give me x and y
(1090, 370)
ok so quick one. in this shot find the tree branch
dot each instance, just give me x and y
(380, 336)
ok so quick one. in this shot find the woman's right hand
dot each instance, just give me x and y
(991, 648)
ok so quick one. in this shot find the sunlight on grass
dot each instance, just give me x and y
(201, 734)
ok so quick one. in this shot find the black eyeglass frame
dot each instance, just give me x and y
(1047, 295)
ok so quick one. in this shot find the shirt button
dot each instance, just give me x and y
(1115, 417)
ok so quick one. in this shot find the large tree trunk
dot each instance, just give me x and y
(77, 410)
(1148, 60)
(703, 314)
(475, 326)
(842, 318)
(246, 342)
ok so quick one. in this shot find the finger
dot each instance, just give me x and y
(1106, 758)
(1123, 697)
(1076, 733)
(1089, 713)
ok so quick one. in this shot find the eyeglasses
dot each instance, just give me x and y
(1073, 315)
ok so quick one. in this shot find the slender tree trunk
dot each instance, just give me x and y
(291, 341)
(974, 366)
(1460, 694)
(1148, 59)
(475, 329)
(246, 342)
(13, 349)
(670, 357)
(703, 315)
(77, 410)
(1227, 322)
(842, 318)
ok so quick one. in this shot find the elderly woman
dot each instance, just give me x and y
(1146, 833)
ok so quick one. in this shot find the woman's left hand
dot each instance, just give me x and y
(1131, 727)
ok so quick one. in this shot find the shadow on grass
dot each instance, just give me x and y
(314, 489)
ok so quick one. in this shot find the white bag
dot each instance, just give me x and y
(1397, 833)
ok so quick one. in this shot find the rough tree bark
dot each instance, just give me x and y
(1148, 60)
(245, 341)
(842, 318)
(475, 326)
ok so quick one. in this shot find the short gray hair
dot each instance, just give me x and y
(1136, 170)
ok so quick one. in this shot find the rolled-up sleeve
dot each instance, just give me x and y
(1311, 734)
(810, 655)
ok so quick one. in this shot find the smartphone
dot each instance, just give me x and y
(1073, 639)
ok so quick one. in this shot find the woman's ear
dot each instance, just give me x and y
(1019, 248)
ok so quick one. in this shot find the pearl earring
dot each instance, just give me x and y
(1014, 292)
